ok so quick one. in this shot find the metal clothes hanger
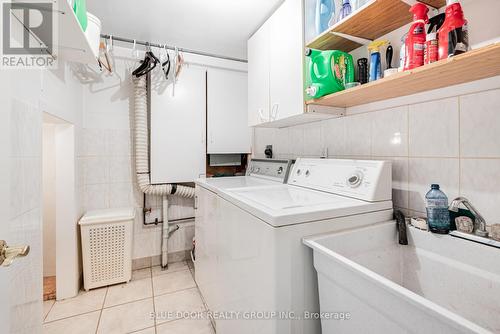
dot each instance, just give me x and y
(135, 52)
(103, 51)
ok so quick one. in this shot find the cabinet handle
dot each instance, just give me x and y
(274, 112)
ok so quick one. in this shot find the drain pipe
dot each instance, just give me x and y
(141, 134)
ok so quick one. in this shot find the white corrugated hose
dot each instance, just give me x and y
(142, 162)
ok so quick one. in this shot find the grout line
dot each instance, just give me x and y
(102, 308)
(459, 147)
(142, 329)
(71, 316)
(51, 306)
(176, 291)
(153, 294)
(205, 305)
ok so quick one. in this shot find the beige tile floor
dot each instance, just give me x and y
(129, 308)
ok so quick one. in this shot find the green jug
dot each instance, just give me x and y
(80, 9)
(329, 71)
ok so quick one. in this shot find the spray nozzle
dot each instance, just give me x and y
(376, 45)
(419, 11)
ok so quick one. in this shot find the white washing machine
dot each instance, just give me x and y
(262, 273)
(260, 172)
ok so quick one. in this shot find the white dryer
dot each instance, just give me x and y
(262, 271)
(260, 172)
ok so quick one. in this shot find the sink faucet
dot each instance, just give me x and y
(479, 222)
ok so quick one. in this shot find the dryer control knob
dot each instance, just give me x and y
(355, 180)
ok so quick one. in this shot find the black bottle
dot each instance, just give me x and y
(363, 70)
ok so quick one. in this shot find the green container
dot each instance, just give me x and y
(80, 9)
(328, 72)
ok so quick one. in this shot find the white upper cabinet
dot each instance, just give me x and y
(258, 76)
(275, 66)
(178, 122)
(286, 61)
(227, 125)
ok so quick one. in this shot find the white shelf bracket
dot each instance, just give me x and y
(359, 40)
(320, 109)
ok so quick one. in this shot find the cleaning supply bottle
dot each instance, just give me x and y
(415, 42)
(402, 53)
(346, 9)
(454, 34)
(438, 216)
(375, 65)
(325, 10)
(363, 71)
(431, 53)
(329, 71)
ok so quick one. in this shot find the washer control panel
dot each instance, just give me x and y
(268, 168)
(362, 179)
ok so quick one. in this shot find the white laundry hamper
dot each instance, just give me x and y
(107, 246)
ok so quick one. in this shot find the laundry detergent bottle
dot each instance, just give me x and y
(453, 34)
(325, 9)
(415, 42)
(328, 72)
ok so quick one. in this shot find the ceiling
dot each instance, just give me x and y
(216, 26)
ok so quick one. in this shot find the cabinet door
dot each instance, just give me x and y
(258, 76)
(178, 128)
(228, 130)
(286, 61)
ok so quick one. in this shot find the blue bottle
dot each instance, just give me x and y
(438, 216)
(325, 9)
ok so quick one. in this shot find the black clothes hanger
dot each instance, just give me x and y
(148, 64)
(167, 65)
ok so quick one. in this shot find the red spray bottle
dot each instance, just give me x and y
(415, 42)
(453, 35)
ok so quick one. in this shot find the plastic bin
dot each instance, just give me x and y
(93, 33)
(107, 247)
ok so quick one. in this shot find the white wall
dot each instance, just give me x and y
(49, 203)
(106, 159)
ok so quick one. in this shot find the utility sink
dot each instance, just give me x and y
(436, 284)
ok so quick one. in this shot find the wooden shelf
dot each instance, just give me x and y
(373, 20)
(474, 65)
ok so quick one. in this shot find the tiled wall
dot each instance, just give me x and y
(25, 216)
(107, 175)
(452, 140)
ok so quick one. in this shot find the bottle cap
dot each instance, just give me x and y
(434, 186)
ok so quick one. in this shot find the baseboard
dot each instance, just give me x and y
(151, 261)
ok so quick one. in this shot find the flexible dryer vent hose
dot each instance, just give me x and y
(142, 148)
(142, 163)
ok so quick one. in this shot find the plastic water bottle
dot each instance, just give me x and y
(438, 216)
(325, 10)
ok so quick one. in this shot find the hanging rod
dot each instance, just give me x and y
(157, 45)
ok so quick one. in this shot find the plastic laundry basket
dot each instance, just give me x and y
(107, 247)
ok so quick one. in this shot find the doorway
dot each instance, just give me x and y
(59, 228)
